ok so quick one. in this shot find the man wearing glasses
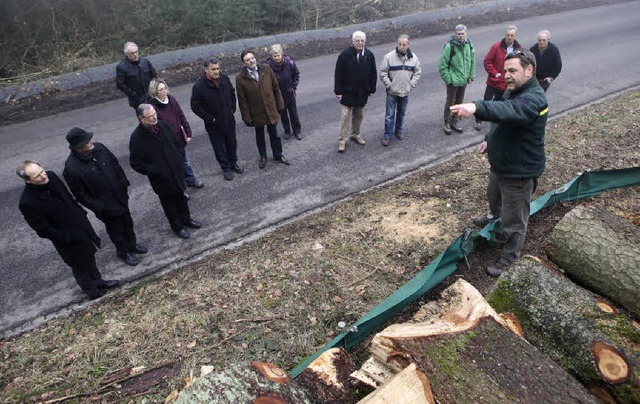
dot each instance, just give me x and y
(133, 75)
(153, 151)
(51, 211)
(515, 146)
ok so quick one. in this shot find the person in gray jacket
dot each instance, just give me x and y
(399, 73)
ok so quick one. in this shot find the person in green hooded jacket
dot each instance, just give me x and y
(457, 66)
(515, 146)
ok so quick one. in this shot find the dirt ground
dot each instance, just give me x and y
(280, 298)
(54, 101)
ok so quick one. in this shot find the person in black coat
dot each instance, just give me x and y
(213, 99)
(354, 82)
(133, 75)
(51, 211)
(97, 180)
(548, 60)
(153, 151)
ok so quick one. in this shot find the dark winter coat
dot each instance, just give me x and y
(173, 115)
(260, 101)
(288, 77)
(494, 63)
(154, 153)
(549, 63)
(515, 142)
(214, 103)
(133, 78)
(98, 181)
(52, 212)
(355, 81)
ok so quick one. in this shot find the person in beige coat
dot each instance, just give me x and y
(260, 101)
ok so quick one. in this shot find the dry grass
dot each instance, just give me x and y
(280, 298)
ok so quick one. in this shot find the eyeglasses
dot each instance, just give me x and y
(527, 57)
(133, 52)
(248, 59)
(40, 174)
(154, 115)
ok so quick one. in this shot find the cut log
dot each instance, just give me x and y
(469, 354)
(327, 378)
(245, 383)
(407, 387)
(564, 320)
(600, 251)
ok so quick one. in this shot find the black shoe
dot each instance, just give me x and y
(298, 136)
(227, 175)
(237, 168)
(263, 162)
(110, 284)
(456, 126)
(399, 135)
(287, 135)
(129, 259)
(447, 129)
(197, 184)
(194, 224)
(139, 249)
(282, 160)
(182, 233)
(497, 269)
(186, 195)
(96, 293)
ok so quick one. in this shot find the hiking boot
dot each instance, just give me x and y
(497, 269)
(358, 139)
(478, 126)
(342, 145)
(447, 128)
(456, 126)
(399, 135)
(482, 221)
(287, 135)
(385, 141)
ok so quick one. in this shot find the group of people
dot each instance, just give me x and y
(514, 101)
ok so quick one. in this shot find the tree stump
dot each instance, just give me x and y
(327, 378)
(600, 251)
(584, 334)
(469, 354)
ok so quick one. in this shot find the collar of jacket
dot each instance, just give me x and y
(409, 55)
(245, 72)
(528, 84)
(516, 44)
(286, 60)
(85, 156)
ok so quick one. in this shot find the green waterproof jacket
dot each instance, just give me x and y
(460, 67)
(515, 142)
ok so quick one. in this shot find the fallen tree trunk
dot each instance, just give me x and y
(584, 334)
(469, 354)
(327, 378)
(257, 382)
(600, 251)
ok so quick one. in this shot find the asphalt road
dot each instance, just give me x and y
(597, 46)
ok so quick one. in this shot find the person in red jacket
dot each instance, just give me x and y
(494, 65)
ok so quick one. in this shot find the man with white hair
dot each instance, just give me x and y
(354, 82)
(133, 75)
(549, 63)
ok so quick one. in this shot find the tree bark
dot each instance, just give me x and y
(469, 354)
(600, 251)
(567, 322)
(245, 383)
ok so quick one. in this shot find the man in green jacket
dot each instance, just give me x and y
(457, 66)
(515, 146)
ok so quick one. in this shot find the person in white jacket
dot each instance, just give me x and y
(399, 73)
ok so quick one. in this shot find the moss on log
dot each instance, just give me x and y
(565, 321)
(602, 252)
(470, 355)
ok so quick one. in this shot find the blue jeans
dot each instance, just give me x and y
(394, 116)
(189, 176)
